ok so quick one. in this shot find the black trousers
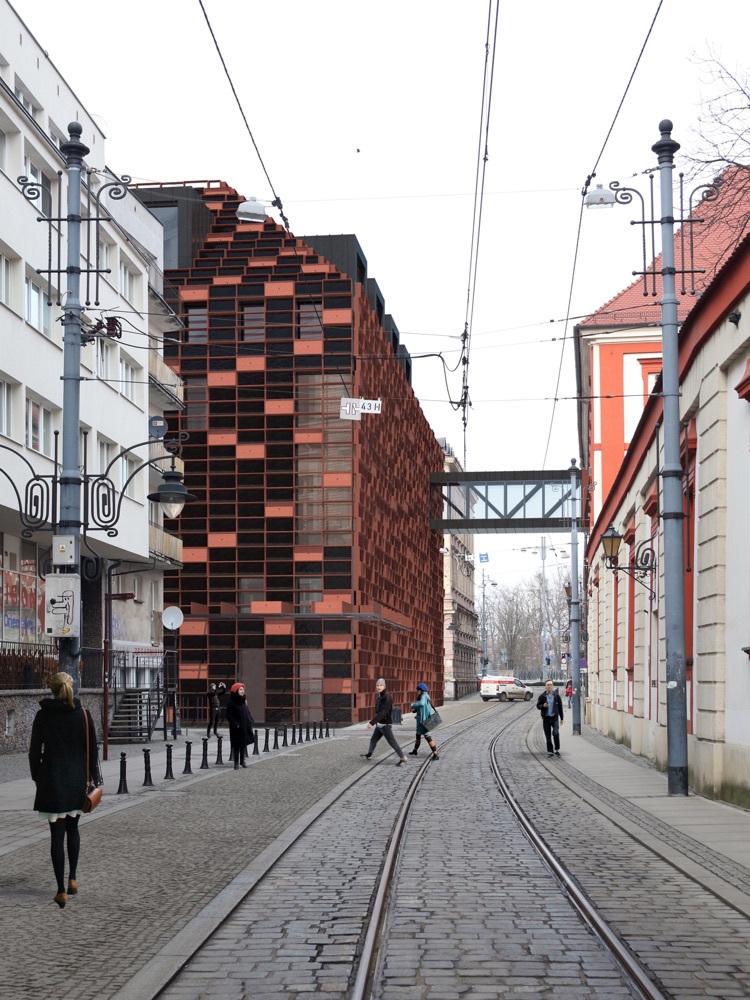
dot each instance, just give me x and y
(551, 731)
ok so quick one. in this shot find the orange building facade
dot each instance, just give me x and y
(309, 565)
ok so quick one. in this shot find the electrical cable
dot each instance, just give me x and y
(584, 190)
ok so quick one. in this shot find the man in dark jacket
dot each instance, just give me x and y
(381, 724)
(550, 705)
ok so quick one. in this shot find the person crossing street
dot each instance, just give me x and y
(381, 723)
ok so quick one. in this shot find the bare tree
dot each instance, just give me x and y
(721, 150)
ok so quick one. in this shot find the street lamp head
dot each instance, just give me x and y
(172, 493)
(600, 197)
(251, 211)
(611, 540)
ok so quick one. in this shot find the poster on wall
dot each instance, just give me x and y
(11, 606)
(28, 608)
(62, 610)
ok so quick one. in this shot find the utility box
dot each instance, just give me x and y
(64, 550)
(62, 605)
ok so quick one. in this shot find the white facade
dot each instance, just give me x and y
(124, 380)
(627, 674)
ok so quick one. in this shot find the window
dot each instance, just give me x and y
(309, 320)
(197, 324)
(196, 404)
(35, 173)
(105, 455)
(38, 427)
(36, 307)
(6, 391)
(127, 282)
(253, 323)
(128, 465)
(127, 379)
(102, 358)
(103, 251)
(3, 150)
(4, 279)
(25, 101)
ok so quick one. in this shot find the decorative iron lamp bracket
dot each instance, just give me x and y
(642, 561)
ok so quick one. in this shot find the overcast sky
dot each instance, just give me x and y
(367, 118)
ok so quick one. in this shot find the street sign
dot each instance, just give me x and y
(352, 409)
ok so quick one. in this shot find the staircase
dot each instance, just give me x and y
(135, 717)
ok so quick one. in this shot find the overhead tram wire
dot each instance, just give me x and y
(476, 228)
(584, 191)
(276, 203)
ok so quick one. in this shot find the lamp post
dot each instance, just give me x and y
(71, 501)
(484, 621)
(671, 473)
(671, 470)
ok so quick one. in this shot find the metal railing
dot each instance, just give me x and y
(27, 665)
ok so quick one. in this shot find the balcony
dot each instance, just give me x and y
(163, 545)
(165, 383)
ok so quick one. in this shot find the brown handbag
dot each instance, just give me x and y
(93, 793)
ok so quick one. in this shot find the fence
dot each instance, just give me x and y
(25, 665)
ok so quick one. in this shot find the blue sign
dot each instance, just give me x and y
(484, 557)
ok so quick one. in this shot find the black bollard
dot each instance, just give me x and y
(275, 738)
(218, 750)
(265, 745)
(300, 733)
(320, 734)
(123, 789)
(294, 734)
(328, 732)
(315, 732)
(256, 741)
(168, 773)
(307, 732)
(204, 762)
(187, 768)
(147, 779)
(283, 733)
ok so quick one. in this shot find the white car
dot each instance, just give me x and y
(504, 689)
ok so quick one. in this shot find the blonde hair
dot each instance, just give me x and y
(61, 686)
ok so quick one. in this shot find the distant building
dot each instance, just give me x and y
(462, 647)
(309, 565)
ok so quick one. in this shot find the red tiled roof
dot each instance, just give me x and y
(727, 219)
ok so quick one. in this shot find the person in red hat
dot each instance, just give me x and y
(240, 723)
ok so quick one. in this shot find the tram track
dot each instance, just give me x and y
(628, 962)
(363, 881)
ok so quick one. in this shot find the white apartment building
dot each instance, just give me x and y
(124, 380)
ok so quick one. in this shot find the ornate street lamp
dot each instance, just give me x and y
(642, 561)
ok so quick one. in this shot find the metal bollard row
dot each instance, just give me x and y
(296, 737)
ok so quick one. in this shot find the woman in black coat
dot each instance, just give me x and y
(57, 757)
(215, 692)
(240, 723)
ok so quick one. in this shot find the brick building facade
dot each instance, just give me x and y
(309, 566)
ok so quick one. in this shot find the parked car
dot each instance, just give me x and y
(504, 688)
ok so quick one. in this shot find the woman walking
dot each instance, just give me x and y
(423, 709)
(57, 757)
(240, 724)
